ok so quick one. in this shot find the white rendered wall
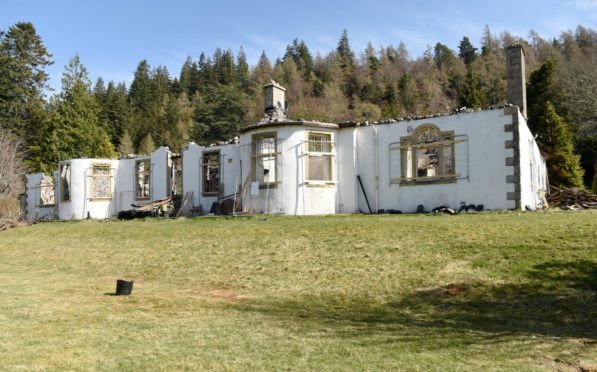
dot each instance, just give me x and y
(346, 147)
(487, 170)
(292, 195)
(124, 184)
(81, 205)
(230, 172)
(191, 171)
(533, 172)
(160, 173)
(34, 210)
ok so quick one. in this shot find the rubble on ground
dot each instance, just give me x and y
(571, 198)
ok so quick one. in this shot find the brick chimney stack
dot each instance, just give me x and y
(515, 70)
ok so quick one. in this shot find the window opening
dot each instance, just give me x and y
(101, 181)
(47, 191)
(264, 158)
(142, 179)
(319, 156)
(211, 172)
(65, 182)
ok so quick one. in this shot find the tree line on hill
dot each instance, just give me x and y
(213, 96)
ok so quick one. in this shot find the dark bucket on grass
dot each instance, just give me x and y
(124, 287)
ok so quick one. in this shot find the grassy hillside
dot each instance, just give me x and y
(489, 291)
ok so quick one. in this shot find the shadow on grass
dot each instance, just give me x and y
(558, 299)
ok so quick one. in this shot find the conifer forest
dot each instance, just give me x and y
(215, 93)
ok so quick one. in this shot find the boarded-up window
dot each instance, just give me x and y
(100, 181)
(319, 156)
(142, 179)
(264, 158)
(47, 191)
(211, 172)
(65, 182)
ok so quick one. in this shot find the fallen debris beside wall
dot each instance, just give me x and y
(7, 223)
(571, 199)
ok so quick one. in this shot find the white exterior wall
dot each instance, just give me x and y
(348, 188)
(160, 173)
(124, 184)
(533, 171)
(487, 170)
(230, 172)
(499, 165)
(191, 171)
(81, 205)
(34, 210)
(292, 195)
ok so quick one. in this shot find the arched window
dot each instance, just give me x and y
(427, 155)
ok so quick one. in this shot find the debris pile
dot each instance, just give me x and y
(571, 199)
(7, 223)
(161, 207)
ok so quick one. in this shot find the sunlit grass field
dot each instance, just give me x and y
(483, 291)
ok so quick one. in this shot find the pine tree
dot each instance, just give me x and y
(543, 88)
(23, 60)
(467, 51)
(299, 52)
(126, 146)
(472, 94)
(242, 70)
(443, 55)
(219, 115)
(345, 54)
(187, 77)
(147, 146)
(225, 67)
(555, 139)
(347, 66)
(74, 130)
(119, 111)
(262, 73)
(547, 119)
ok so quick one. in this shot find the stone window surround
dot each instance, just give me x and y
(409, 142)
(92, 176)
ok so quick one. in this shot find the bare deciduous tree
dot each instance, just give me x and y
(12, 166)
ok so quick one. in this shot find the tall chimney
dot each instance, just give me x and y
(275, 96)
(517, 92)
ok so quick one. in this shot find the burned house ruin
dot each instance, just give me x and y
(300, 167)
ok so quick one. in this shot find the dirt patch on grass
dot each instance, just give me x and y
(227, 295)
(580, 367)
(448, 290)
(216, 293)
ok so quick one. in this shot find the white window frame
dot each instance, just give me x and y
(255, 156)
(320, 148)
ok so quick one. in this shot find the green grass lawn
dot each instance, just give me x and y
(487, 291)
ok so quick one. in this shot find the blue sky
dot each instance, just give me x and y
(113, 36)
